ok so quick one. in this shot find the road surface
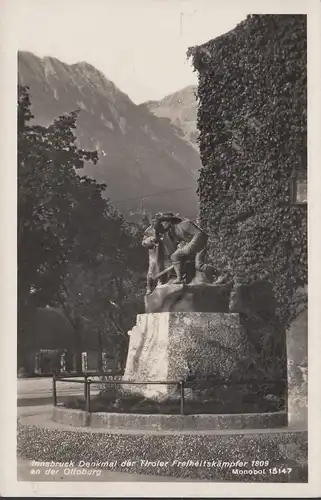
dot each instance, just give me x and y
(38, 391)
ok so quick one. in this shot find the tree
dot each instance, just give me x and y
(66, 229)
(52, 199)
(104, 299)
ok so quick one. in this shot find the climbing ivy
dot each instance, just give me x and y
(252, 118)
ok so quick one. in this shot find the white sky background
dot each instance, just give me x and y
(138, 44)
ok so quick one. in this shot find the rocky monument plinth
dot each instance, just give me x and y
(198, 297)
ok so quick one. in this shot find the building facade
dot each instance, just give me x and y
(252, 119)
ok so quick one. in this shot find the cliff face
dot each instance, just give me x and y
(142, 159)
(180, 108)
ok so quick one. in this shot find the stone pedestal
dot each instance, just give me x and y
(167, 346)
(297, 356)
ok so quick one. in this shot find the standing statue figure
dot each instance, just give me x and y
(190, 242)
(160, 248)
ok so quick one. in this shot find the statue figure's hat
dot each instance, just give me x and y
(167, 216)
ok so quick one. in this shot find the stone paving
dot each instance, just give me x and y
(40, 415)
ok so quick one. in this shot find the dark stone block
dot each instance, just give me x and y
(201, 297)
(253, 300)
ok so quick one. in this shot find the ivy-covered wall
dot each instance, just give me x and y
(252, 118)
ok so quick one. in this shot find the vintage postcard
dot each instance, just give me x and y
(167, 181)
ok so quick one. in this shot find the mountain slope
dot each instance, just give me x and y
(140, 154)
(181, 109)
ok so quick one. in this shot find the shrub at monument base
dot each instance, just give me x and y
(211, 400)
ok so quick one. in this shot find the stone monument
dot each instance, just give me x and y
(193, 319)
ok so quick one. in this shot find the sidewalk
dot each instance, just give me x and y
(39, 391)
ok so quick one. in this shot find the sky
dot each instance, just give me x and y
(138, 44)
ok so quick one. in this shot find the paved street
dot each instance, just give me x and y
(36, 391)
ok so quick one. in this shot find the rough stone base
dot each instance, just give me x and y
(198, 297)
(171, 346)
(134, 421)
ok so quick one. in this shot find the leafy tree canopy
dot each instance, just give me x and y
(74, 249)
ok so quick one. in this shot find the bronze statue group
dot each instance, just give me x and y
(177, 248)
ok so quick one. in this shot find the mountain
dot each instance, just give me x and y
(181, 110)
(140, 154)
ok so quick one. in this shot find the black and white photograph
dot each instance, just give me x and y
(162, 245)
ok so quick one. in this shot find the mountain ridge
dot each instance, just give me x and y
(139, 153)
(180, 108)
